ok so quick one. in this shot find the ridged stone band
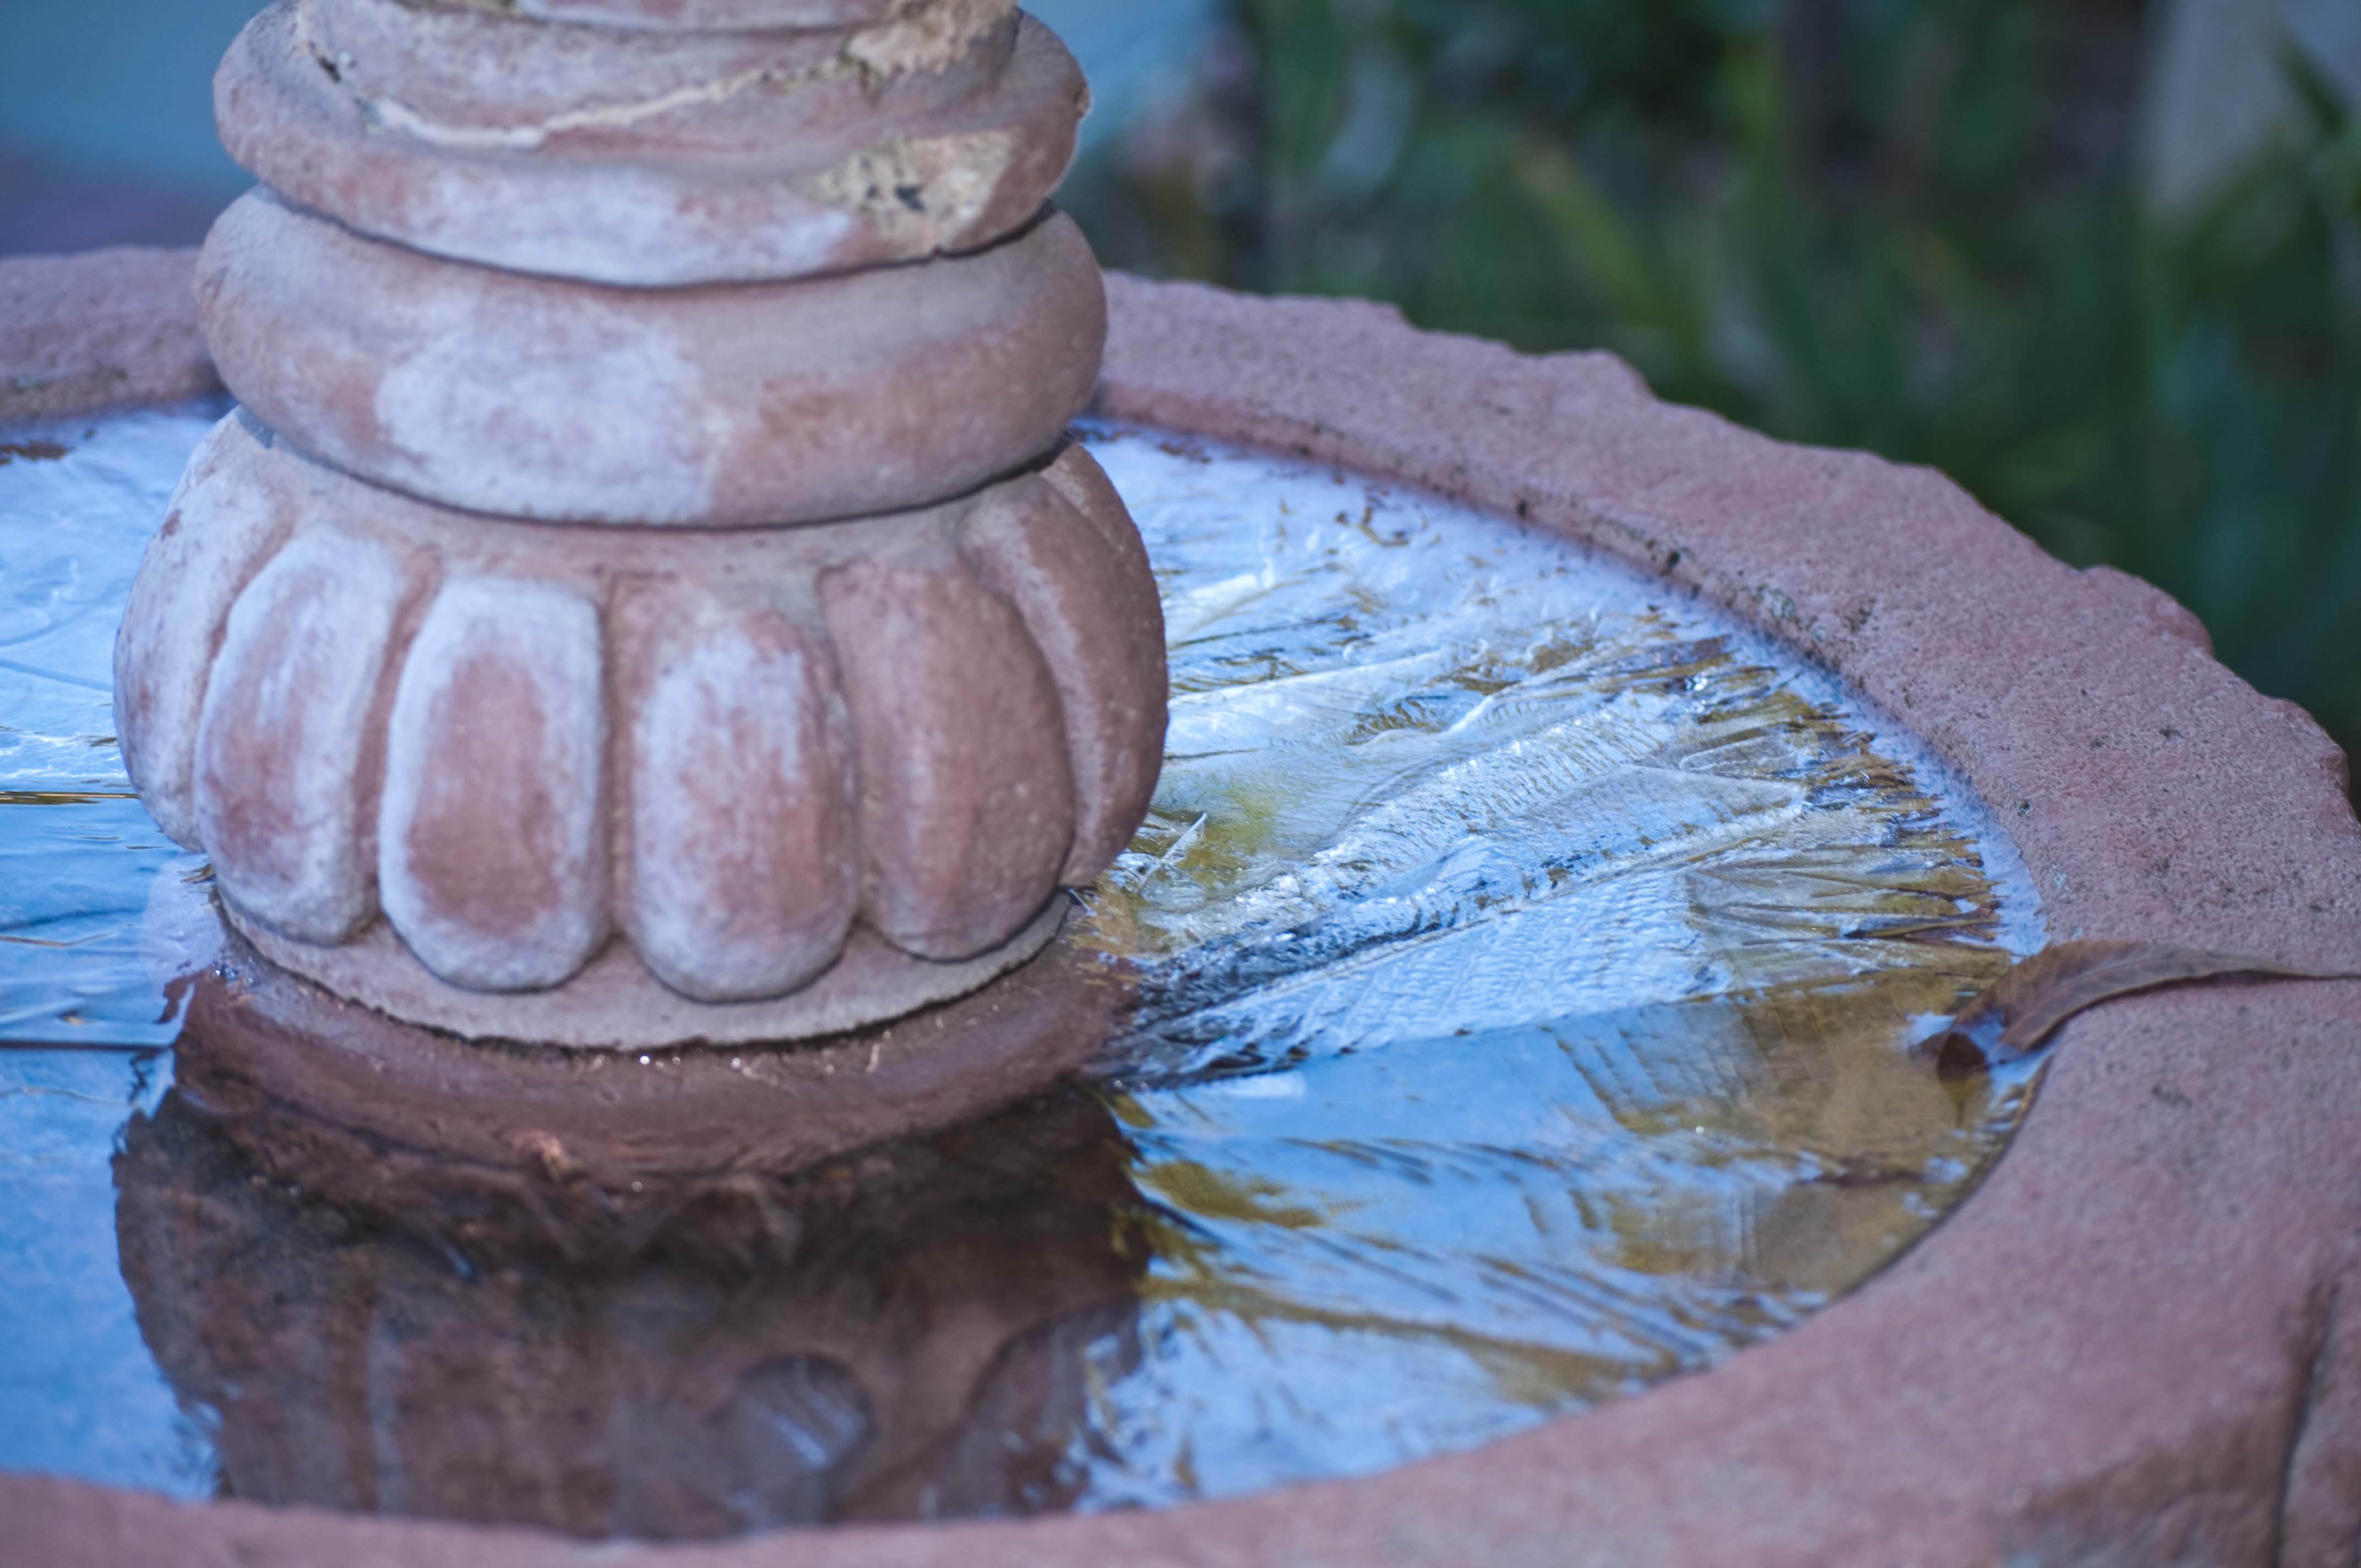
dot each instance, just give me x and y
(442, 763)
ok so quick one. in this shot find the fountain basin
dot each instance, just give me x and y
(2125, 1347)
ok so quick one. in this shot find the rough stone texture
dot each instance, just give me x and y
(285, 740)
(713, 15)
(616, 1004)
(759, 267)
(99, 330)
(716, 160)
(743, 865)
(779, 403)
(492, 80)
(517, 739)
(597, 1157)
(967, 803)
(2130, 1347)
(491, 842)
(1093, 612)
(214, 538)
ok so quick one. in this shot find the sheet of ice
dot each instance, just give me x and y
(1528, 955)
(78, 857)
(1530, 952)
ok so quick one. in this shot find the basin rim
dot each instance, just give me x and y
(2128, 1346)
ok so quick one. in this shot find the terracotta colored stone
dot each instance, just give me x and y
(713, 160)
(493, 80)
(540, 737)
(744, 875)
(589, 1155)
(2131, 1347)
(967, 802)
(791, 402)
(1093, 612)
(615, 1005)
(1077, 476)
(285, 749)
(590, 729)
(103, 329)
(491, 846)
(216, 536)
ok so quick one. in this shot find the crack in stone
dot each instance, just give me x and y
(923, 36)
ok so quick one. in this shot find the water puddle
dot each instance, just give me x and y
(1526, 960)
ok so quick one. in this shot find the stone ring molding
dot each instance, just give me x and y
(571, 403)
(657, 157)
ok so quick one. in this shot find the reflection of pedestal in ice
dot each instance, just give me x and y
(914, 1359)
(648, 594)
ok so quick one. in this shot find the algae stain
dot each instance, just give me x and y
(1207, 1194)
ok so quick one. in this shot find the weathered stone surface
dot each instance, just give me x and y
(216, 536)
(967, 804)
(592, 728)
(105, 328)
(615, 1003)
(495, 80)
(685, 264)
(288, 746)
(719, 160)
(692, 15)
(499, 1147)
(782, 403)
(491, 846)
(2131, 1347)
(1055, 551)
(743, 873)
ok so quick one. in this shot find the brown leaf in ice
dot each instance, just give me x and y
(2016, 1016)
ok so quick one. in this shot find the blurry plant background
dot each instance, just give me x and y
(1924, 227)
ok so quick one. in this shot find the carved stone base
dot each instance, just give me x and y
(615, 1003)
(622, 787)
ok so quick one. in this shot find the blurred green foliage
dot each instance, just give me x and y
(1908, 226)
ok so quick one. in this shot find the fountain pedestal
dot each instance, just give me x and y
(647, 596)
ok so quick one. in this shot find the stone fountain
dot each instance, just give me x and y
(2128, 1346)
(647, 594)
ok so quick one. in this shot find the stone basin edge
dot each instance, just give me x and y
(2132, 1346)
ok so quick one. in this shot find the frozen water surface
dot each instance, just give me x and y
(1530, 956)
